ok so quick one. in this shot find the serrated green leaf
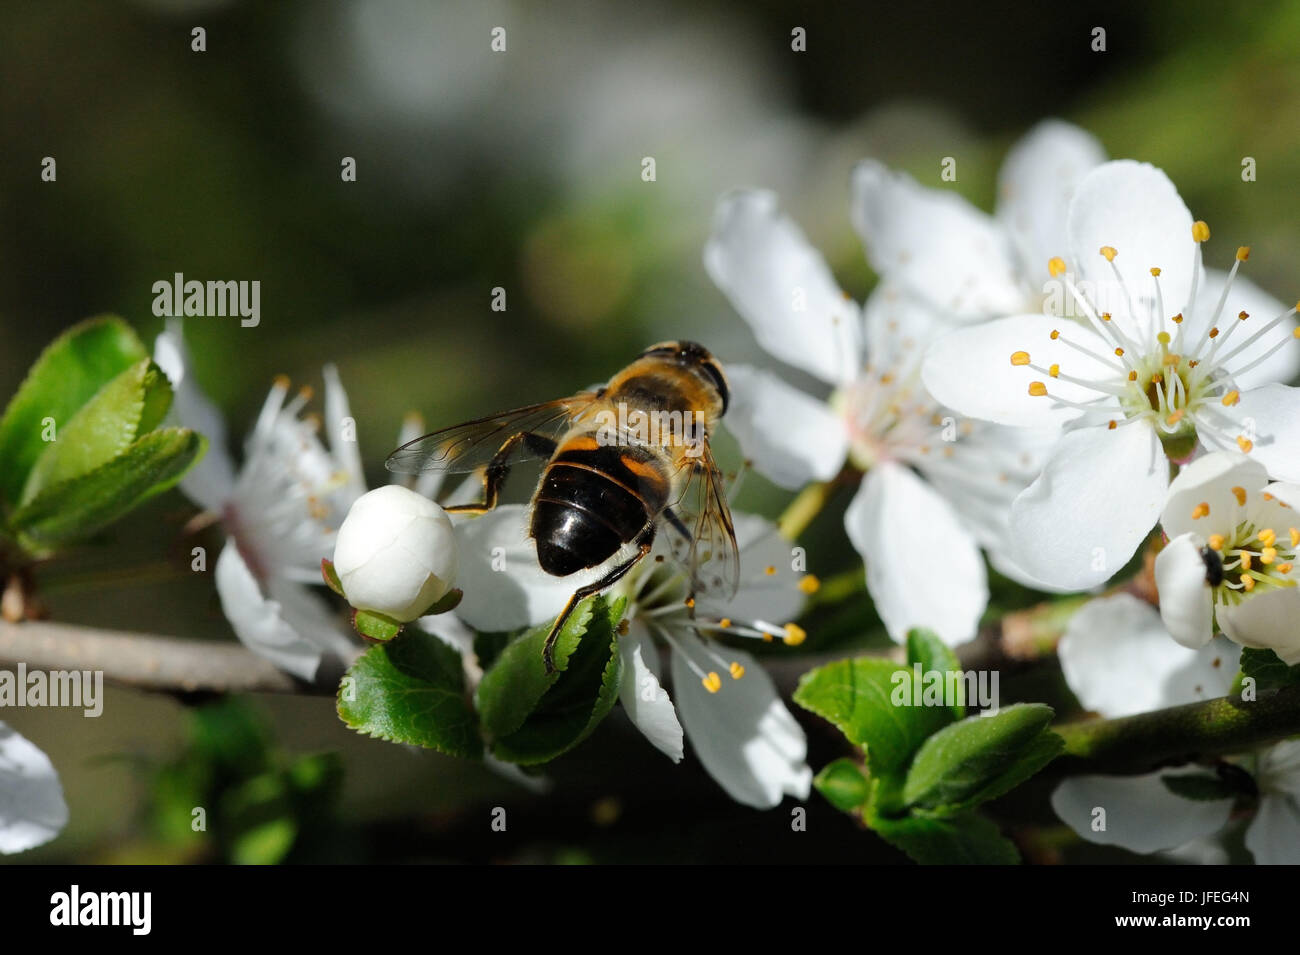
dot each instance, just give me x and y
(1268, 671)
(103, 427)
(935, 656)
(1199, 787)
(843, 784)
(970, 839)
(578, 700)
(67, 374)
(411, 690)
(74, 509)
(859, 696)
(964, 758)
(516, 682)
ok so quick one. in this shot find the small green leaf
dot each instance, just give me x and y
(934, 656)
(1268, 671)
(1199, 787)
(446, 603)
(103, 427)
(868, 700)
(1041, 751)
(964, 758)
(969, 839)
(843, 784)
(411, 690)
(516, 682)
(578, 700)
(74, 509)
(68, 373)
(375, 626)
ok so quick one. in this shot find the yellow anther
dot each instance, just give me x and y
(1231, 398)
(1245, 560)
(1200, 510)
(1112, 425)
(1296, 331)
(1267, 537)
(690, 601)
(1215, 542)
(1132, 376)
(1245, 445)
(1108, 253)
(1105, 316)
(794, 635)
(1243, 315)
(809, 584)
(1020, 358)
(1247, 583)
(1243, 253)
(1284, 568)
(307, 392)
(1163, 338)
(1193, 363)
(1056, 333)
(1037, 389)
(1056, 266)
(1171, 359)
(1178, 319)
(1200, 231)
(1157, 378)
(724, 623)
(1214, 332)
(1155, 273)
(1119, 352)
(712, 682)
(1268, 555)
(280, 381)
(1054, 371)
(1175, 416)
(1239, 493)
(1295, 537)
(737, 671)
(769, 570)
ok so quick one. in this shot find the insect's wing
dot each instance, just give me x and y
(469, 446)
(704, 537)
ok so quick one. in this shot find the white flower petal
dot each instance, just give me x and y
(1035, 186)
(791, 437)
(1270, 418)
(1118, 660)
(32, 808)
(1096, 500)
(1133, 208)
(923, 566)
(970, 369)
(1141, 814)
(773, 597)
(782, 287)
(1266, 621)
(1186, 600)
(644, 700)
(743, 734)
(1273, 837)
(211, 481)
(1279, 368)
(504, 586)
(290, 626)
(342, 430)
(935, 244)
(1209, 481)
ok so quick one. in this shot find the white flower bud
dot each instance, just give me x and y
(396, 553)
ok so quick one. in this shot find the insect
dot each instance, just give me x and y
(622, 462)
(1213, 566)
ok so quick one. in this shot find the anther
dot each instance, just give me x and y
(809, 584)
(1020, 358)
(794, 635)
(1239, 493)
(1056, 266)
(1243, 253)
(1215, 541)
(1108, 253)
(1200, 231)
(1200, 510)
(1037, 389)
(737, 671)
(1231, 398)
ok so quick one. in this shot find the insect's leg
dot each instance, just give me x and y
(679, 525)
(498, 470)
(645, 541)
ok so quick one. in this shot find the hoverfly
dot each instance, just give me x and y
(621, 461)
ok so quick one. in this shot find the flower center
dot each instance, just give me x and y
(886, 415)
(1248, 560)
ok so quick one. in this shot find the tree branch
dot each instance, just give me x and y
(1135, 744)
(145, 661)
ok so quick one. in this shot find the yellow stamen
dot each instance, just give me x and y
(1119, 353)
(1245, 560)
(1037, 389)
(1056, 266)
(690, 601)
(1200, 231)
(794, 635)
(809, 584)
(1239, 493)
(1231, 398)
(1245, 445)
(712, 682)
(1215, 542)
(1020, 358)
(737, 671)
(1056, 333)
(1247, 583)
(769, 570)
(1200, 510)
(1214, 332)
(724, 623)
(1054, 371)
(1132, 376)
(1268, 555)
(1155, 273)
(1108, 253)
(1112, 425)
(1178, 319)
(1284, 568)
(1243, 253)
(1267, 537)
(1175, 416)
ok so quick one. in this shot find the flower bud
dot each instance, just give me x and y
(396, 553)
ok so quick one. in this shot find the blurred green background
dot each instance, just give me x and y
(521, 170)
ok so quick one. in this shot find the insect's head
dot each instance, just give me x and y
(699, 360)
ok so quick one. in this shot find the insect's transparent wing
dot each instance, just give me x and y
(469, 446)
(704, 539)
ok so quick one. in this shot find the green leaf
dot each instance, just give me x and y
(411, 690)
(375, 626)
(1268, 671)
(103, 428)
(517, 681)
(1199, 787)
(867, 699)
(578, 700)
(935, 656)
(969, 839)
(843, 784)
(1042, 750)
(71, 370)
(963, 759)
(77, 508)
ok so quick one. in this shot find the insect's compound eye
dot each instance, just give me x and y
(714, 373)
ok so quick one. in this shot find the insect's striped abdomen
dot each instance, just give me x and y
(592, 500)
